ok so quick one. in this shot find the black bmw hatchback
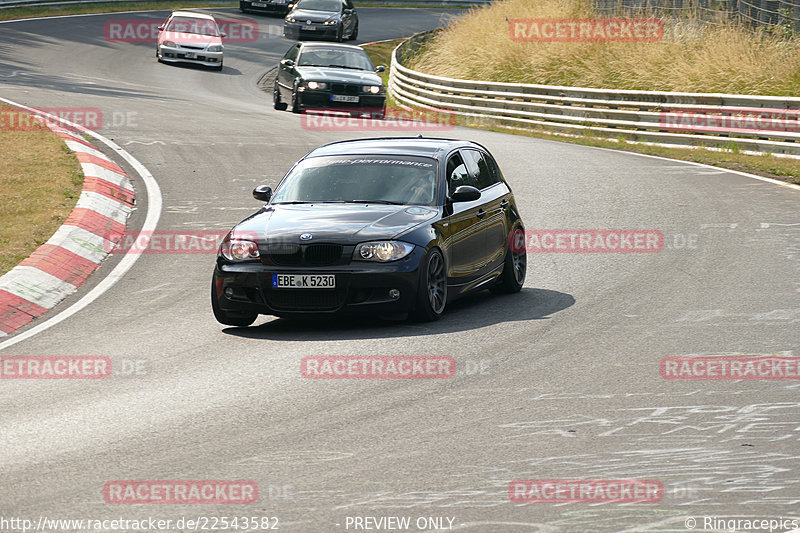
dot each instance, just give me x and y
(381, 226)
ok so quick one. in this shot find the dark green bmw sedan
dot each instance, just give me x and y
(329, 76)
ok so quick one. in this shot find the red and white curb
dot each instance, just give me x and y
(58, 267)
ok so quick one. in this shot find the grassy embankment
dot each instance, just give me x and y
(712, 58)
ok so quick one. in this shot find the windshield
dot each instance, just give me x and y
(371, 179)
(335, 58)
(320, 5)
(193, 25)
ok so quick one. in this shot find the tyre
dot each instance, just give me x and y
(276, 99)
(354, 34)
(295, 104)
(432, 290)
(218, 67)
(515, 266)
(340, 34)
(228, 318)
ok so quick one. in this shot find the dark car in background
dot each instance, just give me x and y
(329, 76)
(379, 226)
(281, 7)
(335, 19)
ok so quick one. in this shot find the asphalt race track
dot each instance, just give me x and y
(560, 381)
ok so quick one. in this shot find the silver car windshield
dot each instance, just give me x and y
(193, 25)
(390, 179)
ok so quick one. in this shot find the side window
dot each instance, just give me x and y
(457, 173)
(292, 53)
(479, 169)
(494, 170)
(348, 4)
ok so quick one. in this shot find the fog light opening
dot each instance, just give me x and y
(394, 294)
(229, 292)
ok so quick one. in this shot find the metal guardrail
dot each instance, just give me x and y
(728, 121)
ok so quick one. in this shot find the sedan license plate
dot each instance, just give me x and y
(308, 28)
(343, 98)
(303, 281)
(259, 4)
(190, 55)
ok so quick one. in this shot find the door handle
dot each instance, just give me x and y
(481, 213)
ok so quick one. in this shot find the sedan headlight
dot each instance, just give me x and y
(382, 251)
(313, 85)
(215, 48)
(374, 89)
(333, 22)
(239, 250)
(290, 19)
(169, 44)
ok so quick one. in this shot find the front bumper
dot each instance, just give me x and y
(317, 99)
(316, 29)
(361, 287)
(264, 7)
(180, 54)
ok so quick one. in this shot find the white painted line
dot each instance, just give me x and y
(36, 286)
(154, 204)
(703, 165)
(108, 207)
(81, 242)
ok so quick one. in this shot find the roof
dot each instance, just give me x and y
(192, 14)
(419, 146)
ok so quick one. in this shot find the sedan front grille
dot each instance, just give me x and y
(342, 88)
(304, 255)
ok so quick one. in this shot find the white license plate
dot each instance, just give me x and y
(259, 4)
(308, 28)
(303, 281)
(190, 55)
(343, 98)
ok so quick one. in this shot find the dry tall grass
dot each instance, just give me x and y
(712, 58)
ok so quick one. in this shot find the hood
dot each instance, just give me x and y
(189, 39)
(303, 15)
(334, 223)
(340, 75)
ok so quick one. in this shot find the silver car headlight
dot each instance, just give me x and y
(169, 44)
(374, 89)
(317, 85)
(382, 251)
(239, 250)
(215, 48)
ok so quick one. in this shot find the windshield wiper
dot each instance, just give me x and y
(345, 66)
(293, 203)
(387, 202)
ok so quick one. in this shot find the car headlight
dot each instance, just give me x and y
(239, 250)
(382, 251)
(169, 44)
(374, 89)
(215, 48)
(333, 22)
(317, 85)
(290, 19)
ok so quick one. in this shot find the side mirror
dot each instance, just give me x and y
(465, 193)
(264, 192)
(223, 34)
(380, 68)
(348, 11)
(287, 62)
(161, 28)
